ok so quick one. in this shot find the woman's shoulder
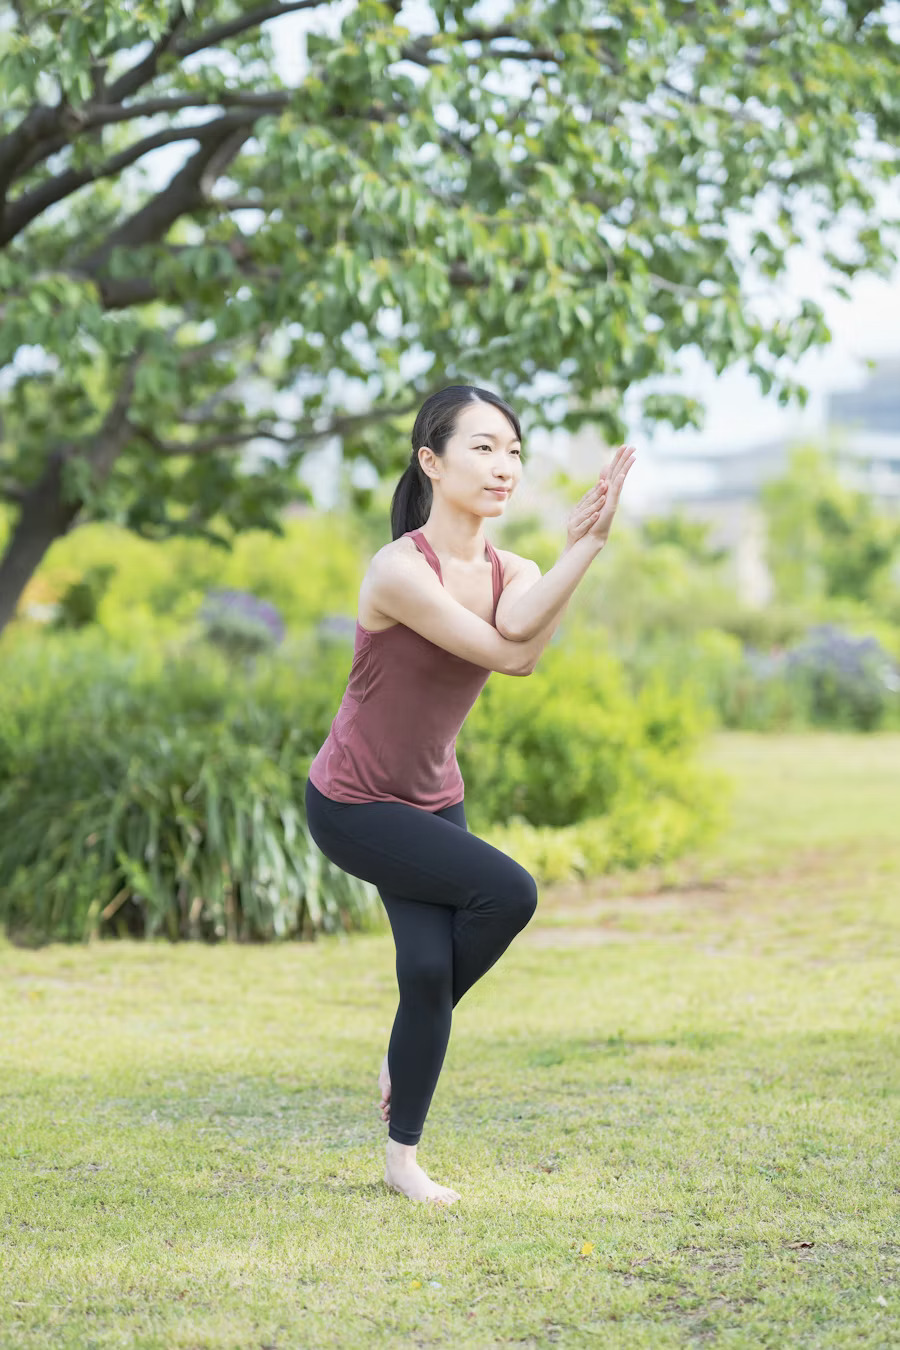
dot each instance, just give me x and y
(513, 563)
(397, 548)
(405, 546)
(402, 552)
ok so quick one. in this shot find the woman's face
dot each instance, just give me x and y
(483, 453)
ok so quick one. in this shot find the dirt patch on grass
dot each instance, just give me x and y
(611, 909)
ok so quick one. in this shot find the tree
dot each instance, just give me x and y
(691, 536)
(546, 193)
(825, 538)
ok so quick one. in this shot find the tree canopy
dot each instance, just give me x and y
(193, 250)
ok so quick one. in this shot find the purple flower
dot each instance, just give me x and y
(242, 614)
(843, 676)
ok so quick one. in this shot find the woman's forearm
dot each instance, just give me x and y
(544, 604)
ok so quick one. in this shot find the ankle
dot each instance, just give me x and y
(401, 1154)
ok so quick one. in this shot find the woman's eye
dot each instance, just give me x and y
(490, 447)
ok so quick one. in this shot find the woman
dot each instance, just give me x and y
(439, 609)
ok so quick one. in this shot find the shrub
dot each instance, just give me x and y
(825, 678)
(160, 790)
(153, 590)
(570, 746)
(151, 793)
(241, 624)
(843, 681)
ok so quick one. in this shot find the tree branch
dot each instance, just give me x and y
(237, 436)
(222, 31)
(121, 292)
(201, 446)
(47, 130)
(42, 122)
(132, 80)
(103, 114)
(38, 123)
(30, 204)
(80, 121)
(116, 428)
(219, 144)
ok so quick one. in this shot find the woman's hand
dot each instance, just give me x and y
(600, 526)
(585, 512)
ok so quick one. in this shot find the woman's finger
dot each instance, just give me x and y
(617, 472)
(595, 492)
(610, 469)
(622, 474)
(589, 507)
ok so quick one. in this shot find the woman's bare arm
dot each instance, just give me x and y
(569, 570)
(529, 611)
(406, 589)
(526, 616)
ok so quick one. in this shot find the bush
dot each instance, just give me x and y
(569, 749)
(843, 681)
(829, 678)
(241, 624)
(156, 590)
(157, 793)
(160, 791)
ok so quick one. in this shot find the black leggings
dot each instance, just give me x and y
(454, 902)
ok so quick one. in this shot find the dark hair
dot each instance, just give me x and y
(435, 424)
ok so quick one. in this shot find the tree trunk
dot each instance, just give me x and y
(44, 517)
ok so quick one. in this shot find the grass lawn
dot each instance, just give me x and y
(671, 1111)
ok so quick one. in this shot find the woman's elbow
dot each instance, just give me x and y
(522, 668)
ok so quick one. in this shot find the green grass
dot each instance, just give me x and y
(692, 1068)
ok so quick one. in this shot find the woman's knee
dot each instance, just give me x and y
(523, 899)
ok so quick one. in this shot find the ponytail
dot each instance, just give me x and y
(411, 502)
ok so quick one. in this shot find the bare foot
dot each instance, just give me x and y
(384, 1082)
(403, 1174)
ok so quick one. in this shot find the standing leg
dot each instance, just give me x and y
(421, 1030)
(419, 1037)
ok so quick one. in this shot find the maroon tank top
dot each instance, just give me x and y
(394, 736)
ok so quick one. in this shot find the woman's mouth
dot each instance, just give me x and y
(499, 492)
